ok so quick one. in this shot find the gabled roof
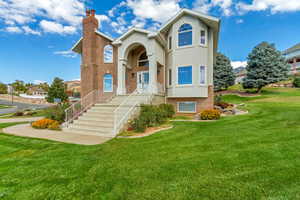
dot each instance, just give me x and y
(292, 49)
(130, 32)
(210, 21)
(78, 45)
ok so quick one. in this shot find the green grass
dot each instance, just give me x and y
(4, 106)
(39, 113)
(254, 156)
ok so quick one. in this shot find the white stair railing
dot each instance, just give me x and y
(128, 107)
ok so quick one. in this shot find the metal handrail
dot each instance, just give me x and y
(131, 105)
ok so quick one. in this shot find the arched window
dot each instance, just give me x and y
(185, 35)
(143, 60)
(108, 54)
(107, 83)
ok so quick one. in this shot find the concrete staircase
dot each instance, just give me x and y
(99, 120)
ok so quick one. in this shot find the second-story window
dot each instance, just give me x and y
(185, 35)
(202, 37)
(108, 54)
(143, 60)
(170, 42)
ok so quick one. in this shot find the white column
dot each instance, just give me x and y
(121, 77)
(152, 74)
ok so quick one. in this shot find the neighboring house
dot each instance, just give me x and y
(36, 91)
(176, 61)
(73, 87)
(292, 56)
(173, 65)
(240, 74)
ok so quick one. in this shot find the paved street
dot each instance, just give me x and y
(18, 106)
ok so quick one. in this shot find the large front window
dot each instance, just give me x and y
(185, 75)
(107, 83)
(202, 75)
(187, 107)
(108, 54)
(143, 60)
(185, 35)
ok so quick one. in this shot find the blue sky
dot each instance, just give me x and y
(36, 35)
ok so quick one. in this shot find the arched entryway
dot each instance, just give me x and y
(137, 70)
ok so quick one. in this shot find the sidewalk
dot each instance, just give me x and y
(25, 130)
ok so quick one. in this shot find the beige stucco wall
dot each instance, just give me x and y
(195, 55)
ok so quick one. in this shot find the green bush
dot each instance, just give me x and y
(296, 82)
(57, 112)
(151, 116)
(168, 110)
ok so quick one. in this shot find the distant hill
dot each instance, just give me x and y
(239, 69)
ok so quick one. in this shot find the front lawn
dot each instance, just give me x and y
(254, 156)
(4, 106)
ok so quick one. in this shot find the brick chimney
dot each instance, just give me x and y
(89, 52)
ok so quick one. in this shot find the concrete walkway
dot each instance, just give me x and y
(20, 119)
(25, 130)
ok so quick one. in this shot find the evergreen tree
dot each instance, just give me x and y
(57, 91)
(266, 65)
(223, 73)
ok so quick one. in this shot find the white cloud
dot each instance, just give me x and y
(274, 6)
(28, 30)
(54, 27)
(206, 6)
(13, 29)
(236, 64)
(67, 54)
(159, 11)
(37, 82)
(23, 12)
(102, 18)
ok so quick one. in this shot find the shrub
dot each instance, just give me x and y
(46, 123)
(296, 82)
(19, 114)
(168, 110)
(210, 115)
(151, 115)
(223, 105)
(56, 112)
(54, 126)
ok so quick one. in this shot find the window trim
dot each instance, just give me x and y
(138, 59)
(178, 32)
(112, 54)
(205, 75)
(112, 83)
(195, 106)
(205, 37)
(177, 76)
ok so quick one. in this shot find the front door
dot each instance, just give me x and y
(142, 81)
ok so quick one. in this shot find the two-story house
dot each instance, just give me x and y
(172, 65)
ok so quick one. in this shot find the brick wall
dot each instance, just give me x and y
(93, 67)
(202, 103)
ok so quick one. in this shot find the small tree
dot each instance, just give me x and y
(19, 86)
(57, 91)
(266, 65)
(3, 88)
(223, 73)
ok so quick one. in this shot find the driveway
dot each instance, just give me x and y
(18, 106)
